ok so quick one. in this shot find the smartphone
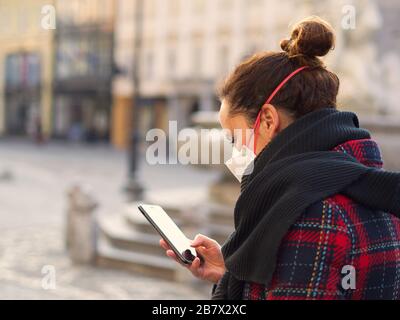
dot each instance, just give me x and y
(170, 232)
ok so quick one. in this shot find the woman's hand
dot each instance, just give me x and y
(212, 267)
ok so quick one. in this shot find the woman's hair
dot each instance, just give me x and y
(253, 81)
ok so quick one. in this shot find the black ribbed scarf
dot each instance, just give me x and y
(294, 171)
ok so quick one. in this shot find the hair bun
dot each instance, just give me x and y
(312, 37)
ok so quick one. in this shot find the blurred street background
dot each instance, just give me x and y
(83, 81)
(32, 220)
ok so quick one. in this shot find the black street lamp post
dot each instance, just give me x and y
(134, 188)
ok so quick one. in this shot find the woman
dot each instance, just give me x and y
(317, 217)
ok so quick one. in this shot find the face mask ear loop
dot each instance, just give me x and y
(256, 126)
(258, 120)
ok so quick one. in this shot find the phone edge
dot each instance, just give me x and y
(179, 255)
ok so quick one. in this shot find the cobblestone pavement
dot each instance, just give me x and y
(33, 181)
(27, 254)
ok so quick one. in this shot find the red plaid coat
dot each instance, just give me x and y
(330, 235)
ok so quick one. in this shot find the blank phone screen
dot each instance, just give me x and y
(169, 229)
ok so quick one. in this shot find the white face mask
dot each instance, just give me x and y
(241, 162)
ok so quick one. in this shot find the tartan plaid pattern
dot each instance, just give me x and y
(334, 233)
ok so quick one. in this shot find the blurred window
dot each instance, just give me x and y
(84, 54)
(13, 72)
(33, 70)
(22, 70)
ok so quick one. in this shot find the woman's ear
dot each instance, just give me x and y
(269, 126)
(270, 121)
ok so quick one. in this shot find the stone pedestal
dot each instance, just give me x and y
(80, 233)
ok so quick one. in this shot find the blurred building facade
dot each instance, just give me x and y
(26, 68)
(83, 50)
(187, 47)
(77, 81)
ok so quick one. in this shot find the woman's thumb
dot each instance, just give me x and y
(201, 240)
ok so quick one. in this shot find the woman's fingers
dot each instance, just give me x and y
(164, 245)
(195, 265)
(172, 255)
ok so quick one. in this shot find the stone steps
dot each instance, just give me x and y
(220, 214)
(128, 241)
(122, 246)
(219, 232)
(225, 193)
(147, 264)
(220, 221)
(124, 237)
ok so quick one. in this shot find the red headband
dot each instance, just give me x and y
(279, 87)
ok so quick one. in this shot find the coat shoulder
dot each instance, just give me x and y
(331, 215)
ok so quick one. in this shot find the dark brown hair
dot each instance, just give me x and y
(250, 84)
